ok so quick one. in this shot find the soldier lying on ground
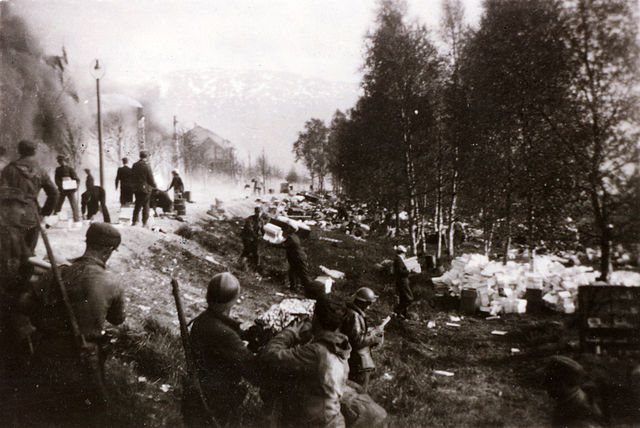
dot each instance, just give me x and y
(221, 358)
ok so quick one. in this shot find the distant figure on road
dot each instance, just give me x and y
(143, 183)
(403, 288)
(94, 198)
(68, 182)
(251, 236)
(124, 178)
(177, 184)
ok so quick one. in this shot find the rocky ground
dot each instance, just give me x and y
(435, 369)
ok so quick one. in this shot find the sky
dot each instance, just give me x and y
(139, 39)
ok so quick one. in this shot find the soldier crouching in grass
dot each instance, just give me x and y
(315, 371)
(221, 359)
(66, 386)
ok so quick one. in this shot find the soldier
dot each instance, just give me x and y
(177, 184)
(297, 258)
(143, 183)
(67, 181)
(251, 235)
(64, 383)
(221, 358)
(124, 178)
(312, 359)
(403, 288)
(564, 379)
(26, 175)
(360, 337)
(93, 199)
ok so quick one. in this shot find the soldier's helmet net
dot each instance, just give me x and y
(365, 294)
(103, 235)
(329, 312)
(223, 288)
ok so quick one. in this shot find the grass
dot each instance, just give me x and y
(491, 386)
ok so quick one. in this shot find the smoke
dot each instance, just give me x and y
(37, 100)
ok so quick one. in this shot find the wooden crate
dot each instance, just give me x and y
(609, 318)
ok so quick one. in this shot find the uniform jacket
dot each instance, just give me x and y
(361, 340)
(95, 295)
(295, 253)
(124, 177)
(320, 368)
(26, 175)
(220, 356)
(400, 270)
(65, 171)
(253, 229)
(142, 177)
(177, 184)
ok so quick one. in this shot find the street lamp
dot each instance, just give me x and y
(97, 71)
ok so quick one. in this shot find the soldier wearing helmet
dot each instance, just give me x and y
(360, 337)
(221, 357)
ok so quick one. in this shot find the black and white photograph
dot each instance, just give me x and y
(319, 213)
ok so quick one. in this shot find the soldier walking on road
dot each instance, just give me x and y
(360, 337)
(63, 387)
(68, 182)
(124, 178)
(251, 235)
(221, 358)
(403, 288)
(143, 183)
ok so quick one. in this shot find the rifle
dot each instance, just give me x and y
(87, 351)
(188, 351)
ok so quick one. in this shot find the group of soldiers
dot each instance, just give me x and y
(313, 373)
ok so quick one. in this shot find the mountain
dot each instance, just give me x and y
(253, 109)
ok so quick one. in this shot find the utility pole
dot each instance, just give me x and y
(97, 71)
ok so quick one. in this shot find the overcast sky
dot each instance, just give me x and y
(138, 39)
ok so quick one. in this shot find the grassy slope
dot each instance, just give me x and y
(491, 386)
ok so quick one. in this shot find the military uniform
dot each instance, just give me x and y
(403, 288)
(62, 172)
(64, 385)
(298, 270)
(355, 327)
(317, 372)
(251, 234)
(123, 177)
(143, 181)
(25, 175)
(222, 360)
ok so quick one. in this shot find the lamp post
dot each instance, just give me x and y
(97, 71)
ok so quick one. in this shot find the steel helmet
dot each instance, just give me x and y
(366, 295)
(223, 288)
